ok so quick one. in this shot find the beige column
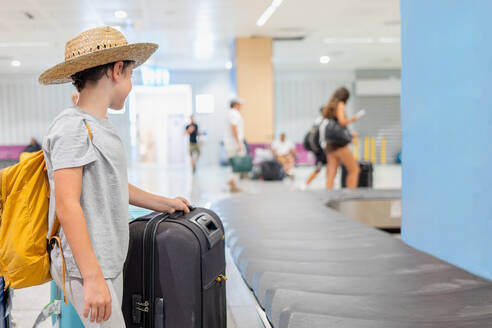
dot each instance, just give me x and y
(254, 78)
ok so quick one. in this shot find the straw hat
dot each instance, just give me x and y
(94, 47)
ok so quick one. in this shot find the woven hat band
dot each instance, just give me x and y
(94, 40)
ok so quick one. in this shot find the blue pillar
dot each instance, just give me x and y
(447, 130)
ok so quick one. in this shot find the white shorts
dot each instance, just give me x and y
(75, 293)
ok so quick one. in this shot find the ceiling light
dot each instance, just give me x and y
(228, 65)
(120, 14)
(324, 59)
(15, 63)
(268, 12)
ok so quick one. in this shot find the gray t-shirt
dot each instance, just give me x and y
(104, 197)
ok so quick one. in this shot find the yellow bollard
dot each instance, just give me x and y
(383, 150)
(366, 148)
(373, 150)
(356, 148)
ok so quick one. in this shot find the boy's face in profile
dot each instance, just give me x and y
(122, 86)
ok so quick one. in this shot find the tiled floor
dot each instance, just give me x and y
(209, 184)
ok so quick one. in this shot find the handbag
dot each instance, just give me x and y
(241, 164)
(336, 134)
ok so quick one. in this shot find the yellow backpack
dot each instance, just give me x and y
(24, 204)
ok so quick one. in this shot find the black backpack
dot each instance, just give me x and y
(311, 140)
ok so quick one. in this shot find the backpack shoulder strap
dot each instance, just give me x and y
(88, 130)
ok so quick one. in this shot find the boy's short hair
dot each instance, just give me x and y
(94, 74)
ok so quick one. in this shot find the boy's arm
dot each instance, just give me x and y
(141, 198)
(68, 188)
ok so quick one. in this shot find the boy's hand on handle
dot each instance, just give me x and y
(178, 204)
(97, 299)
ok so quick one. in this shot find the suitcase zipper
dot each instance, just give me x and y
(146, 306)
(220, 278)
(152, 275)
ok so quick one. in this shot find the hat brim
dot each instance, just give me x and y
(61, 73)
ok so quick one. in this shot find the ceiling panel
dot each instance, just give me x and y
(178, 26)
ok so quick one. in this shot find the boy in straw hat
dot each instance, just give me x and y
(87, 172)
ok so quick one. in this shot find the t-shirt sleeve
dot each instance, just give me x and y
(234, 118)
(70, 145)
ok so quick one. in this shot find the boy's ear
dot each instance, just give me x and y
(117, 70)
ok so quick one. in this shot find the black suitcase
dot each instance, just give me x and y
(174, 274)
(365, 175)
(272, 171)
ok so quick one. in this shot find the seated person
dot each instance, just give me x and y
(284, 151)
(33, 146)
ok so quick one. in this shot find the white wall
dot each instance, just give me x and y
(300, 94)
(27, 108)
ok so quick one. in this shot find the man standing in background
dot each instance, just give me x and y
(234, 139)
(192, 131)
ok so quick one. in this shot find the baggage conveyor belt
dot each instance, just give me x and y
(310, 266)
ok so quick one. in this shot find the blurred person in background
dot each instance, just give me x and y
(33, 146)
(234, 140)
(320, 156)
(335, 154)
(284, 151)
(192, 130)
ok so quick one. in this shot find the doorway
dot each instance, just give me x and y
(157, 120)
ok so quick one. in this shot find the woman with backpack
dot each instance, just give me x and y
(337, 154)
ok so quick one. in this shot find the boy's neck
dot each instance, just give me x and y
(94, 101)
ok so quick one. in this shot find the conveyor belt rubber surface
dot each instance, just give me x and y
(309, 266)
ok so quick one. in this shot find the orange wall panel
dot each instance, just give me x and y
(254, 74)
